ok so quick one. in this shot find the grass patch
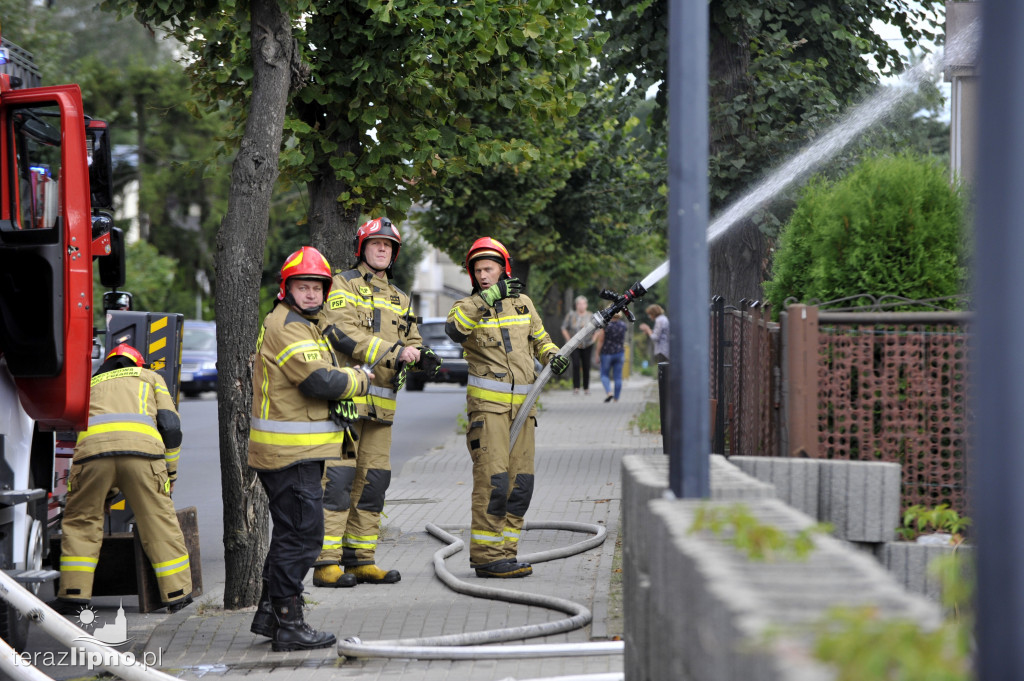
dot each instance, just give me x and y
(615, 617)
(648, 420)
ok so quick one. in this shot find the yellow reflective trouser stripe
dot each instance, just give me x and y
(494, 396)
(511, 534)
(331, 542)
(353, 541)
(171, 567)
(297, 439)
(78, 564)
(484, 537)
(122, 426)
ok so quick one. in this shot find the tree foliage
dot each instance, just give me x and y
(893, 226)
(780, 72)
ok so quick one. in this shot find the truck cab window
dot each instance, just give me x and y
(35, 137)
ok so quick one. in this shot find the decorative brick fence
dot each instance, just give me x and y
(857, 386)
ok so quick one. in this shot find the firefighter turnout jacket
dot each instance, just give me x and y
(500, 344)
(131, 412)
(371, 319)
(295, 377)
(131, 443)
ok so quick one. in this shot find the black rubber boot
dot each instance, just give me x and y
(292, 631)
(263, 622)
(506, 569)
(179, 604)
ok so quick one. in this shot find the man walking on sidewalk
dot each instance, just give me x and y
(501, 334)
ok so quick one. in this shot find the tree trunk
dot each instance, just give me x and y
(736, 262)
(240, 246)
(332, 225)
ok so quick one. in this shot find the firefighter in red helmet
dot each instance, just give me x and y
(501, 334)
(132, 443)
(371, 320)
(301, 412)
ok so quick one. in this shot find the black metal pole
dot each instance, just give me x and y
(996, 467)
(688, 248)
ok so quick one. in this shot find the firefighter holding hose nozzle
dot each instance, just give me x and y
(501, 334)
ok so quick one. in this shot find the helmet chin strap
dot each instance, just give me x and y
(306, 311)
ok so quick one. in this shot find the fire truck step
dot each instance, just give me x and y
(10, 497)
(35, 576)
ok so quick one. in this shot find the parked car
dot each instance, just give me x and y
(454, 369)
(198, 357)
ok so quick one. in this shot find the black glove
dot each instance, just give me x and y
(345, 413)
(398, 380)
(559, 364)
(429, 362)
(506, 288)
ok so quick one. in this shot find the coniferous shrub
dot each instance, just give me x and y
(893, 226)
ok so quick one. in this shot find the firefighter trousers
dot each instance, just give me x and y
(502, 486)
(337, 485)
(146, 487)
(372, 479)
(296, 505)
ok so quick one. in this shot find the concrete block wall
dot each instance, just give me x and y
(860, 499)
(704, 610)
(644, 479)
(909, 564)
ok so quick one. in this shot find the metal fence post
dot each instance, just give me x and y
(663, 411)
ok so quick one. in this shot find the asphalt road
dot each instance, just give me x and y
(425, 420)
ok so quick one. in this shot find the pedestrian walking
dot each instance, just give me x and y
(611, 348)
(302, 410)
(659, 334)
(371, 321)
(574, 321)
(132, 443)
(501, 334)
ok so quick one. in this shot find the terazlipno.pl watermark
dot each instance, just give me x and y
(90, 659)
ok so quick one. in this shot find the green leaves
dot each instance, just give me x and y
(893, 226)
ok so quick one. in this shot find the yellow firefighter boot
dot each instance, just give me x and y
(371, 574)
(332, 576)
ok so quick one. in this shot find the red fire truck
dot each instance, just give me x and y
(55, 184)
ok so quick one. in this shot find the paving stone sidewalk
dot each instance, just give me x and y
(580, 444)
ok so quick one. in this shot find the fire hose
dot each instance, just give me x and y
(470, 645)
(94, 652)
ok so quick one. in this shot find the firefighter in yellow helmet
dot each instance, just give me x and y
(371, 320)
(132, 443)
(301, 413)
(501, 333)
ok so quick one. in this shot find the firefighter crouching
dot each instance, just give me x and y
(301, 415)
(501, 333)
(132, 443)
(371, 321)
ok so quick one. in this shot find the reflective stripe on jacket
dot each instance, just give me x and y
(294, 379)
(125, 406)
(500, 344)
(371, 314)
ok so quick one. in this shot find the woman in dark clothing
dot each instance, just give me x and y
(611, 347)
